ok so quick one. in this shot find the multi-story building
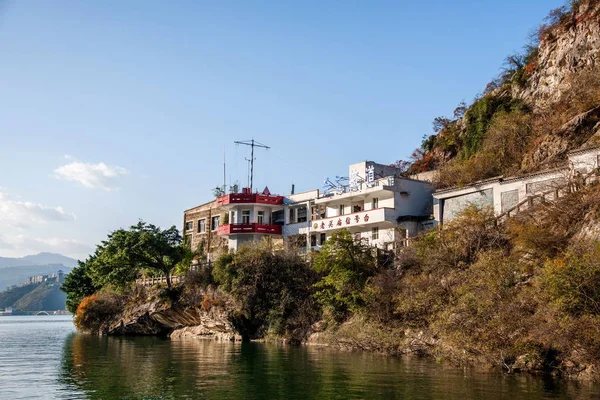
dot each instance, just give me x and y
(58, 277)
(375, 203)
(378, 205)
(250, 217)
(200, 225)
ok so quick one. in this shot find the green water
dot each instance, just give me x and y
(43, 358)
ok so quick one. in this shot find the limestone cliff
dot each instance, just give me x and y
(570, 47)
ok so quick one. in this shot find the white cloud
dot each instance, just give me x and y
(19, 214)
(20, 245)
(94, 176)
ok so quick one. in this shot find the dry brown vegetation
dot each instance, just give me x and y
(520, 296)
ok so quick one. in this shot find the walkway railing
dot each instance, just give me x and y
(175, 279)
(548, 196)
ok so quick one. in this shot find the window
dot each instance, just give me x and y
(341, 209)
(313, 240)
(375, 203)
(357, 209)
(232, 219)
(189, 226)
(215, 221)
(292, 219)
(201, 225)
(302, 214)
(245, 216)
(261, 217)
(323, 238)
(374, 233)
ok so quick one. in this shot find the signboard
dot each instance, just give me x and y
(370, 175)
(341, 221)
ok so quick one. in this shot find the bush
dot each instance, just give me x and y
(345, 265)
(573, 282)
(273, 291)
(95, 311)
(462, 239)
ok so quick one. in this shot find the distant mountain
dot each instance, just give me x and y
(38, 259)
(51, 258)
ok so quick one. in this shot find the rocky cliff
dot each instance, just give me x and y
(569, 47)
(545, 103)
(160, 317)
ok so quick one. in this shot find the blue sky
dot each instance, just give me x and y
(114, 111)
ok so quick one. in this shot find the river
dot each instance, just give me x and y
(42, 357)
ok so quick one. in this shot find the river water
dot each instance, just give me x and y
(42, 357)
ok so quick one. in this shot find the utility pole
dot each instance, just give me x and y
(252, 143)
(247, 159)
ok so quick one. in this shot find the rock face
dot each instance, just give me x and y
(160, 318)
(553, 148)
(569, 48)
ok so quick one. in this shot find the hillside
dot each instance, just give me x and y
(545, 103)
(43, 296)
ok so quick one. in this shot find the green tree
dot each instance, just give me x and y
(345, 265)
(143, 247)
(272, 289)
(78, 284)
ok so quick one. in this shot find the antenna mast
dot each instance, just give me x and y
(252, 143)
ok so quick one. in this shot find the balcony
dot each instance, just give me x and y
(249, 198)
(262, 229)
(358, 219)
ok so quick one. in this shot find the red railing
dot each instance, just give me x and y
(239, 198)
(232, 229)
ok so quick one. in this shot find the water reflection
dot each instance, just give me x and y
(153, 368)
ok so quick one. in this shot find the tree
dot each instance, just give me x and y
(78, 284)
(120, 259)
(345, 265)
(273, 291)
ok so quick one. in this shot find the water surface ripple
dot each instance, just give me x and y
(43, 357)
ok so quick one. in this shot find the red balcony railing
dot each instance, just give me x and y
(233, 229)
(240, 198)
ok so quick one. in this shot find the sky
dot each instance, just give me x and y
(116, 111)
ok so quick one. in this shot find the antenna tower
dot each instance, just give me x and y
(252, 143)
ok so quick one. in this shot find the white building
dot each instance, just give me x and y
(376, 205)
(502, 194)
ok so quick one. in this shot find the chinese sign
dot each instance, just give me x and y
(341, 221)
(370, 175)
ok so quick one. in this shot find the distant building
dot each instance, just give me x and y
(58, 278)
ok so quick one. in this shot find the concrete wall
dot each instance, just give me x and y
(503, 194)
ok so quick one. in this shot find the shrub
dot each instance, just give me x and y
(95, 311)
(459, 243)
(573, 282)
(272, 290)
(345, 265)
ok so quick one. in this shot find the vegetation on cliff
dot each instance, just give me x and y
(520, 296)
(503, 130)
(33, 297)
(143, 249)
